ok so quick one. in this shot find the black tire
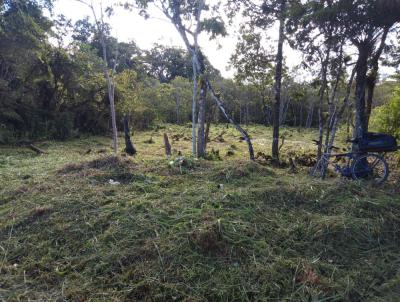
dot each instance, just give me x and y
(370, 167)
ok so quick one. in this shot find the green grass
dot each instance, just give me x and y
(170, 233)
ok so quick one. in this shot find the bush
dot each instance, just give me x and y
(63, 126)
(143, 118)
(386, 118)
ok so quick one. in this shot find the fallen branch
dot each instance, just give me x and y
(36, 149)
(220, 105)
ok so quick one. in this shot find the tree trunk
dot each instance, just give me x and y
(194, 105)
(129, 148)
(301, 115)
(321, 102)
(209, 117)
(331, 102)
(342, 110)
(247, 112)
(373, 77)
(310, 116)
(221, 106)
(178, 109)
(201, 138)
(278, 82)
(361, 80)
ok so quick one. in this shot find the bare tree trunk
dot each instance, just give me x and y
(294, 116)
(221, 106)
(310, 116)
(178, 109)
(194, 105)
(342, 110)
(211, 113)
(113, 115)
(301, 115)
(321, 102)
(334, 117)
(278, 81)
(247, 112)
(331, 101)
(100, 26)
(201, 138)
(285, 109)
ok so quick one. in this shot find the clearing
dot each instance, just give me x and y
(87, 227)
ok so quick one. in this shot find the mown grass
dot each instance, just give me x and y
(228, 230)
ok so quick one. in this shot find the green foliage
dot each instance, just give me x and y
(63, 126)
(143, 117)
(386, 118)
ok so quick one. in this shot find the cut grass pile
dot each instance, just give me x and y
(227, 230)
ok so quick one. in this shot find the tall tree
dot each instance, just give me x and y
(253, 65)
(278, 77)
(188, 17)
(101, 29)
(366, 24)
(263, 15)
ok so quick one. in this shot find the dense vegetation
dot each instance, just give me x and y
(52, 84)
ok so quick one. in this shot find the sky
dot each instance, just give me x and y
(128, 26)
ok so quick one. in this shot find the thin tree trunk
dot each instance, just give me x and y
(201, 138)
(331, 102)
(110, 80)
(178, 109)
(194, 105)
(310, 116)
(286, 106)
(247, 112)
(321, 102)
(278, 82)
(341, 111)
(334, 116)
(301, 115)
(209, 117)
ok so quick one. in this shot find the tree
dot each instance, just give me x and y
(278, 77)
(386, 118)
(253, 65)
(23, 34)
(167, 63)
(263, 15)
(101, 30)
(188, 19)
(366, 24)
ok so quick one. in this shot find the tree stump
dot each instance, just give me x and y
(167, 145)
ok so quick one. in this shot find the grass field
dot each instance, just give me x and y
(89, 227)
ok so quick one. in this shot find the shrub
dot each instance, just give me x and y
(386, 118)
(143, 118)
(63, 126)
